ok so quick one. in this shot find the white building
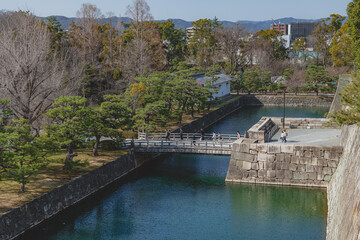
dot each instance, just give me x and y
(221, 84)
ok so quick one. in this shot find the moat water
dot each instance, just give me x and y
(185, 197)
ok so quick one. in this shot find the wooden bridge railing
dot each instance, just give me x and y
(216, 145)
(186, 136)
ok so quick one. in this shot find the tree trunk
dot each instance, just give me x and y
(96, 146)
(69, 158)
(22, 187)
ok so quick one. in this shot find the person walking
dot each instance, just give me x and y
(219, 136)
(214, 136)
(167, 135)
(202, 134)
(194, 139)
(238, 134)
(285, 136)
(282, 136)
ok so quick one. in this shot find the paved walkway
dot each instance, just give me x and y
(312, 137)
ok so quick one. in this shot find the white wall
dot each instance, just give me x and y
(223, 89)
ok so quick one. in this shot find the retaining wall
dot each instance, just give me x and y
(213, 117)
(34, 212)
(252, 100)
(289, 100)
(344, 190)
(282, 164)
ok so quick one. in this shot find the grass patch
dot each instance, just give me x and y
(50, 177)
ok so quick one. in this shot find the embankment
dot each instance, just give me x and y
(344, 190)
(34, 212)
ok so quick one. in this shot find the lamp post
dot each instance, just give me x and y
(284, 112)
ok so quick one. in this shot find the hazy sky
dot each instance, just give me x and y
(231, 10)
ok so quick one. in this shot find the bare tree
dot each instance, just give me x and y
(30, 72)
(232, 42)
(139, 12)
(86, 34)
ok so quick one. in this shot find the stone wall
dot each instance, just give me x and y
(283, 164)
(313, 123)
(263, 130)
(344, 190)
(336, 104)
(226, 110)
(289, 100)
(213, 117)
(34, 212)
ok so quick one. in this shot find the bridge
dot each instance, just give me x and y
(157, 143)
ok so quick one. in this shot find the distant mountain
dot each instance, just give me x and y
(251, 26)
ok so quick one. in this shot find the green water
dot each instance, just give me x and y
(185, 197)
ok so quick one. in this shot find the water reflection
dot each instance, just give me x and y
(185, 197)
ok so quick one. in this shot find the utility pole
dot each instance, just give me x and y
(284, 112)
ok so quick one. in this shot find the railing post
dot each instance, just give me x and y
(162, 143)
(206, 145)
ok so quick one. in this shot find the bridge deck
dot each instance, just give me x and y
(181, 146)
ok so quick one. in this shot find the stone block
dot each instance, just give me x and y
(332, 164)
(297, 176)
(327, 178)
(287, 148)
(280, 157)
(245, 173)
(246, 165)
(277, 165)
(261, 165)
(272, 148)
(271, 174)
(285, 165)
(253, 174)
(304, 160)
(288, 174)
(287, 158)
(232, 162)
(309, 168)
(318, 169)
(327, 171)
(261, 173)
(253, 146)
(236, 147)
(293, 167)
(253, 152)
(299, 153)
(304, 176)
(322, 162)
(239, 164)
(270, 157)
(314, 161)
(295, 159)
(262, 156)
(301, 168)
(244, 147)
(255, 166)
(280, 174)
(307, 154)
(320, 177)
(312, 175)
(246, 157)
(262, 148)
(317, 153)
